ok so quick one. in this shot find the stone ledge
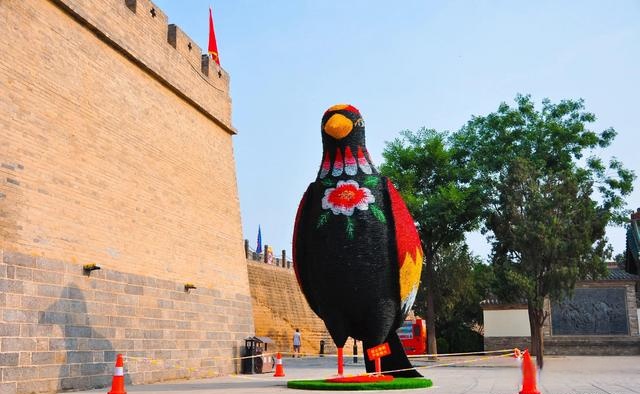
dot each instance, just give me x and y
(572, 345)
(593, 345)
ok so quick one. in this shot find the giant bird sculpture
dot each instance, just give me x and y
(356, 252)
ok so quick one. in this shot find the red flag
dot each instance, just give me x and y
(213, 46)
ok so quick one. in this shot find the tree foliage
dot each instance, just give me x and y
(549, 198)
(463, 281)
(441, 194)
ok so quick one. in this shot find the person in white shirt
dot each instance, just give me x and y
(297, 341)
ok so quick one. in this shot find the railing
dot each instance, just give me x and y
(267, 258)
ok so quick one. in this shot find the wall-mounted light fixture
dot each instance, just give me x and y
(189, 286)
(87, 268)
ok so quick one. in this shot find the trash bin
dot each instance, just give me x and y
(256, 346)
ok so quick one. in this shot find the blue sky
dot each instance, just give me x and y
(405, 65)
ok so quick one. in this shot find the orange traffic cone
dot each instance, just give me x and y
(117, 385)
(528, 375)
(279, 367)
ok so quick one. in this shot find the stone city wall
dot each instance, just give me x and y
(62, 327)
(279, 307)
(115, 150)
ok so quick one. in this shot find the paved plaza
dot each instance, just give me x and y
(561, 375)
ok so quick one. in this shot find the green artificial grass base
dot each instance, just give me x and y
(395, 384)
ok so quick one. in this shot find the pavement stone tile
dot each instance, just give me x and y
(462, 375)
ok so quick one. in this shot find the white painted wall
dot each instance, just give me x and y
(506, 323)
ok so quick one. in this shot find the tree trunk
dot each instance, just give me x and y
(432, 347)
(536, 321)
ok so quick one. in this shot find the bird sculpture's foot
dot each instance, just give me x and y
(340, 363)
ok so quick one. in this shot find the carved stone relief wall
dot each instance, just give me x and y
(591, 311)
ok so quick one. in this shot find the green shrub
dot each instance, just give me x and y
(443, 345)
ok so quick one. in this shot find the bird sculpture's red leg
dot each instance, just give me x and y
(340, 362)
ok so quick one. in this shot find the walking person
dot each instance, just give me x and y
(297, 341)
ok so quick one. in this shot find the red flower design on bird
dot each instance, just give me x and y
(347, 196)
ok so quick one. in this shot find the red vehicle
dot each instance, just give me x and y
(413, 335)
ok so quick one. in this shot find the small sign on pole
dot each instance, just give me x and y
(376, 352)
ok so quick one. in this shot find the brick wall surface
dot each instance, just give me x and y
(592, 345)
(572, 345)
(115, 149)
(60, 329)
(101, 163)
(279, 307)
(140, 28)
(502, 343)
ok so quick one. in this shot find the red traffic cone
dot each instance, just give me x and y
(279, 367)
(528, 375)
(117, 385)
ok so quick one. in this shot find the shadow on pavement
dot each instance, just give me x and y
(203, 386)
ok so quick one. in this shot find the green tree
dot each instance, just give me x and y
(462, 282)
(441, 195)
(547, 202)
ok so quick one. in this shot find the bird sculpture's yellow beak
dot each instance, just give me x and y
(338, 126)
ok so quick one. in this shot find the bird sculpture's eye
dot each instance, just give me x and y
(359, 122)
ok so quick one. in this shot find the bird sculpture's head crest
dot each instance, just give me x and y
(341, 120)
